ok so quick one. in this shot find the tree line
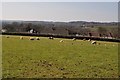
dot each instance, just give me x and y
(63, 29)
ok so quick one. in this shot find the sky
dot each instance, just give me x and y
(59, 0)
(60, 11)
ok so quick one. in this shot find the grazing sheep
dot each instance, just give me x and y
(51, 38)
(61, 41)
(21, 37)
(84, 39)
(32, 38)
(98, 43)
(105, 45)
(37, 38)
(93, 42)
(89, 39)
(7, 36)
(74, 39)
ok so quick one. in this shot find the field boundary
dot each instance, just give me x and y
(60, 78)
(63, 36)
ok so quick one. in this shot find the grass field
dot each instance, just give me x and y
(52, 59)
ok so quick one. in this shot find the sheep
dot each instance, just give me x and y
(74, 39)
(21, 37)
(61, 41)
(37, 38)
(7, 36)
(89, 39)
(98, 43)
(32, 38)
(93, 42)
(51, 38)
(84, 39)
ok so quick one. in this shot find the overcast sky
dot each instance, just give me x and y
(60, 11)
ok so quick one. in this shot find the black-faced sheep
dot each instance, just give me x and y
(32, 38)
(21, 37)
(7, 37)
(93, 42)
(37, 38)
(51, 38)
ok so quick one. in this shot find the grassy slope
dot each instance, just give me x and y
(50, 58)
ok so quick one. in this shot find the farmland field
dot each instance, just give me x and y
(52, 59)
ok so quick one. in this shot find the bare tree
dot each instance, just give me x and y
(102, 31)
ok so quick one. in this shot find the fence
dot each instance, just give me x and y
(63, 36)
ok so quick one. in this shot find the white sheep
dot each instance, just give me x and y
(89, 39)
(74, 39)
(93, 42)
(21, 37)
(61, 41)
(37, 38)
(84, 39)
(32, 38)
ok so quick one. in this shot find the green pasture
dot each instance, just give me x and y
(47, 58)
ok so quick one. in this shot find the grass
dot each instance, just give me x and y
(52, 59)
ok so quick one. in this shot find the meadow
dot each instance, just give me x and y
(47, 58)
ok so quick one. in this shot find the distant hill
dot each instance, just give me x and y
(73, 23)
